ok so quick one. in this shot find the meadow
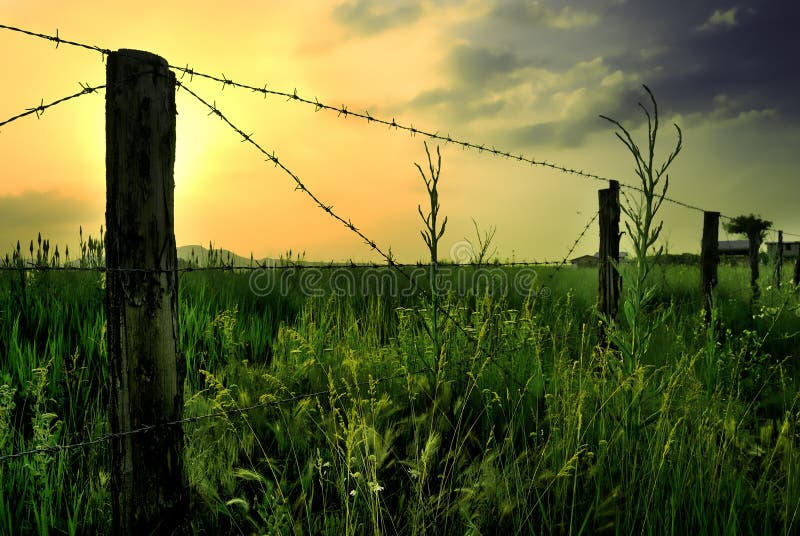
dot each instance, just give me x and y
(521, 422)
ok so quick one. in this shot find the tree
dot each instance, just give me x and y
(754, 228)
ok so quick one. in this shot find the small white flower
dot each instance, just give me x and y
(353, 493)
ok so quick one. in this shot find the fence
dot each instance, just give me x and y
(142, 269)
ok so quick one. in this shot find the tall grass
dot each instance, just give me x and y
(536, 432)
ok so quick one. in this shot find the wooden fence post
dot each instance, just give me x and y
(709, 259)
(796, 279)
(608, 299)
(779, 261)
(147, 476)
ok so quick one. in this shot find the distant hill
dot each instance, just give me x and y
(224, 255)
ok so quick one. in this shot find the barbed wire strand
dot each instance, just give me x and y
(186, 420)
(31, 266)
(57, 39)
(40, 109)
(343, 111)
(575, 244)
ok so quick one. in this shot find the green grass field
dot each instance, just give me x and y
(534, 430)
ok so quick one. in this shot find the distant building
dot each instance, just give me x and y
(585, 261)
(734, 247)
(790, 250)
(592, 260)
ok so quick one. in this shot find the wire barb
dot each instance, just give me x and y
(39, 110)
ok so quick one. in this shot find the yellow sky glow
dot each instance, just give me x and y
(228, 194)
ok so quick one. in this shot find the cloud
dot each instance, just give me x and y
(533, 13)
(476, 65)
(371, 17)
(746, 61)
(480, 80)
(579, 112)
(569, 133)
(45, 211)
(508, 85)
(461, 104)
(518, 102)
(728, 111)
(720, 19)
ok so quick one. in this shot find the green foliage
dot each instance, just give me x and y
(481, 251)
(643, 229)
(755, 229)
(431, 235)
(752, 226)
(536, 433)
(432, 232)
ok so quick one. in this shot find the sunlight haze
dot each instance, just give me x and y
(529, 78)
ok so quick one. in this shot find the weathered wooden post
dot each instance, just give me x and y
(147, 476)
(796, 279)
(709, 259)
(779, 261)
(608, 299)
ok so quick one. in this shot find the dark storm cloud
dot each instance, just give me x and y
(375, 16)
(698, 51)
(477, 66)
(472, 70)
(45, 211)
(707, 61)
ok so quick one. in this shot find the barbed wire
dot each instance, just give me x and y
(40, 109)
(57, 39)
(53, 449)
(276, 161)
(34, 267)
(575, 244)
(343, 111)
(773, 231)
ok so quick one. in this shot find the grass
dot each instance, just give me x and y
(535, 431)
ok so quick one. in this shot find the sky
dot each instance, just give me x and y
(527, 77)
